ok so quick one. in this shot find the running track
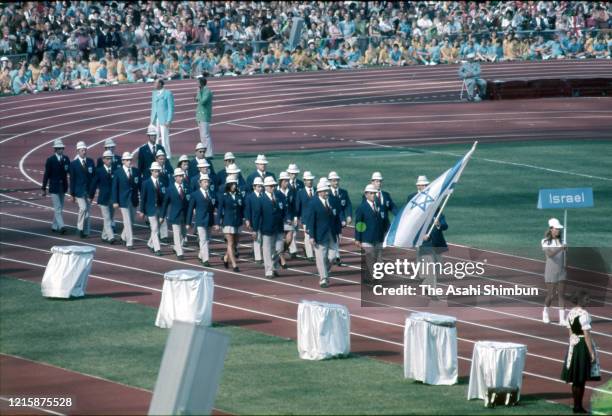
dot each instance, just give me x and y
(367, 108)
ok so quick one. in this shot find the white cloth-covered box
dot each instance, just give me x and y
(496, 365)
(187, 296)
(67, 271)
(430, 348)
(323, 330)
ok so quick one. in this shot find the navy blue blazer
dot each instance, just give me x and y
(194, 183)
(204, 209)
(291, 201)
(56, 174)
(115, 163)
(251, 178)
(301, 203)
(230, 211)
(126, 192)
(344, 201)
(103, 181)
(177, 211)
(193, 170)
(436, 239)
(299, 184)
(374, 229)
(81, 177)
(252, 209)
(220, 178)
(387, 206)
(145, 158)
(272, 216)
(166, 174)
(321, 221)
(152, 199)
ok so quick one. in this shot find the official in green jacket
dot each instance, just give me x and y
(204, 100)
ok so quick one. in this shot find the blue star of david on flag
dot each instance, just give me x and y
(421, 200)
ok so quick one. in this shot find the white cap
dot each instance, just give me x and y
(155, 166)
(203, 163)
(231, 179)
(81, 145)
(109, 143)
(151, 130)
(377, 176)
(258, 181)
(422, 180)
(370, 188)
(160, 153)
(269, 181)
(283, 175)
(228, 156)
(107, 153)
(204, 176)
(232, 169)
(333, 175)
(58, 143)
(308, 175)
(126, 156)
(293, 168)
(554, 223)
(179, 172)
(261, 159)
(183, 158)
(322, 186)
(4, 58)
(200, 146)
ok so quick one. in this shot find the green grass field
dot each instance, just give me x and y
(262, 375)
(602, 403)
(494, 206)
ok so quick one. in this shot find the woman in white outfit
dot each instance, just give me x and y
(554, 271)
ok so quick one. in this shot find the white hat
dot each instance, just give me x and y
(151, 130)
(229, 156)
(107, 153)
(81, 145)
(377, 176)
(58, 143)
(324, 180)
(470, 55)
(258, 181)
(283, 176)
(422, 180)
(155, 166)
(232, 169)
(308, 175)
(231, 179)
(4, 58)
(200, 146)
(160, 153)
(261, 159)
(204, 176)
(126, 156)
(333, 175)
(370, 188)
(109, 143)
(179, 172)
(293, 168)
(554, 223)
(203, 163)
(322, 186)
(269, 181)
(183, 158)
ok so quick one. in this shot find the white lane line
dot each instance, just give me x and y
(294, 321)
(244, 125)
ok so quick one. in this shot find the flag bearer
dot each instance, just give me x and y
(369, 230)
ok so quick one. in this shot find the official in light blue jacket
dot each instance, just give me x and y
(162, 114)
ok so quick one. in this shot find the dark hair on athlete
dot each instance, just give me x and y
(202, 82)
(579, 298)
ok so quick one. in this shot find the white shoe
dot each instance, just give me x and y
(545, 317)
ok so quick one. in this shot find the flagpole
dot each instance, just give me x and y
(438, 216)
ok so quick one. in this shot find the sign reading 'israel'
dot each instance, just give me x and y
(565, 198)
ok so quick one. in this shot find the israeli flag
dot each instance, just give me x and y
(412, 223)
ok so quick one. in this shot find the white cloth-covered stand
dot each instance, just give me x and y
(496, 365)
(430, 348)
(323, 330)
(67, 271)
(187, 296)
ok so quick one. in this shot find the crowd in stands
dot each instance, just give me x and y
(73, 44)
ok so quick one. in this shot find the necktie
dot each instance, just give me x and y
(129, 176)
(83, 164)
(108, 171)
(181, 194)
(157, 193)
(309, 193)
(273, 200)
(327, 207)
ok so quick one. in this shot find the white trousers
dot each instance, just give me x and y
(270, 253)
(127, 234)
(58, 211)
(322, 258)
(83, 217)
(334, 250)
(204, 129)
(107, 217)
(293, 245)
(204, 238)
(154, 238)
(307, 245)
(163, 138)
(177, 235)
(430, 275)
(163, 230)
(373, 254)
(257, 246)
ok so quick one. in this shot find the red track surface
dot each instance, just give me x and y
(391, 107)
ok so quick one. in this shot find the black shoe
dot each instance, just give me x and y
(258, 261)
(158, 253)
(112, 241)
(324, 285)
(83, 235)
(130, 247)
(293, 255)
(275, 273)
(311, 259)
(181, 257)
(205, 263)
(62, 230)
(284, 266)
(226, 264)
(151, 249)
(236, 269)
(579, 410)
(53, 230)
(164, 240)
